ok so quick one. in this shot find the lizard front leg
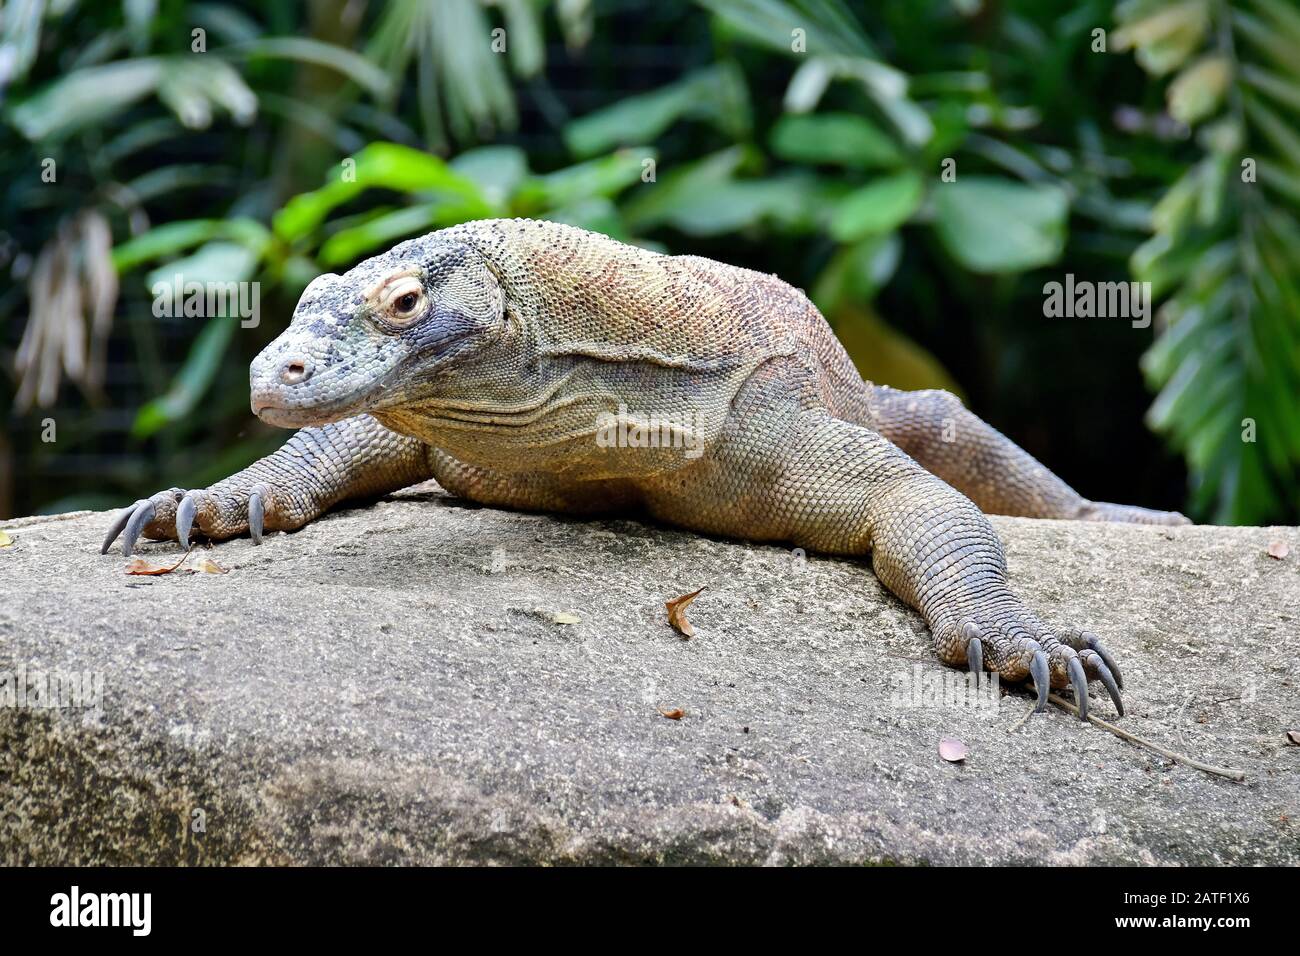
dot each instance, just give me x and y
(314, 470)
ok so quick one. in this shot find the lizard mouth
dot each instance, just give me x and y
(273, 410)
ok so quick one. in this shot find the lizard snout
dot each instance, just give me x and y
(299, 380)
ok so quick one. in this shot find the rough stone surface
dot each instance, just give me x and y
(389, 685)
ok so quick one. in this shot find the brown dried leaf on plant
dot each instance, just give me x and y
(71, 292)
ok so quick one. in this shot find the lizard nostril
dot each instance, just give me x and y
(295, 370)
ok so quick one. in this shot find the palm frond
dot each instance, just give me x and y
(1227, 360)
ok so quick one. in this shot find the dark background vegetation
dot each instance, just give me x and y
(822, 166)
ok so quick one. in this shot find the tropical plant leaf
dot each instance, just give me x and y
(354, 66)
(173, 237)
(840, 139)
(596, 178)
(379, 166)
(462, 84)
(1226, 363)
(348, 245)
(825, 26)
(191, 381)
(498, 170)
(86, 96)
(705, 198)
(879, 207)
(997, 225)
(716, 94)
(216, 262)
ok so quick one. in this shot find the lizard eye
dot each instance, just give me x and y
(403, 300)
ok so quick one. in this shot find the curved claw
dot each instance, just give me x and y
(185, 519)
(119, 522)
(256, 514)
(974, 650)
(1080, 682)
(1038, 670)
(1112, 686)
(1092, 641)
(141, 516)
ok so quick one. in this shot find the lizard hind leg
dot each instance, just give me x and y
(787, 469)
(979, 461)
(845, 489)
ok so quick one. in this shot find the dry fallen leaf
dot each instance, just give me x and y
(208, 566)
(953, 750)
(1293, 737)
(564, 617)
(677, 613)
(141, 566)
(5, 539)
(1278, 549)
(676, 713)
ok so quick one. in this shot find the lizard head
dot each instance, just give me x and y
(379, 335)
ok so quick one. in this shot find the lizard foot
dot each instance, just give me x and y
(1086, 658)
(1051, 662)
(172, 514)
(1130, 514)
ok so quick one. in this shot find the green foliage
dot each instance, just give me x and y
(864, 172)
(997, 225)
(716, 95)
(462, 87)
(192, 380)
(89, 137)
(164, 241)
(707, 198)
(815, 138)
(1226, 249)
(380, 166)
(839, 139)
(878, 208)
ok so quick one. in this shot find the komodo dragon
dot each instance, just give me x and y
(492, 356)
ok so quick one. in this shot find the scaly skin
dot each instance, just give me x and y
(492, 355)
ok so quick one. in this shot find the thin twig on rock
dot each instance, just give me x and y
(1238, 775)
(1021, 722)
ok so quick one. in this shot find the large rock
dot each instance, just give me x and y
(391, 685)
